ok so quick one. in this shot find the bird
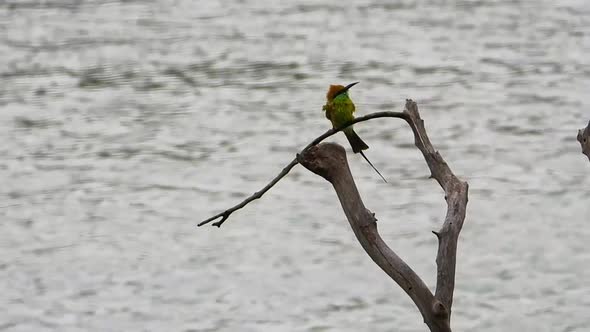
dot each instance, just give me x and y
(339, 109)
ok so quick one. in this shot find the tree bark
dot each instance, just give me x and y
(329, 161)
(584, 139)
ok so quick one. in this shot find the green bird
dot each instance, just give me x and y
(339, 110)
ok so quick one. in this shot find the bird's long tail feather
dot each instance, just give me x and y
(355, 141)
(367, 159)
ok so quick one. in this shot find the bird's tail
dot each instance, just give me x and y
(358, 146)
(355, 141)
(367, 159)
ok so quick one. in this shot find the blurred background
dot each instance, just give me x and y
(125, 123)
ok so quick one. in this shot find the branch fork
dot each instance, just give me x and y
(329, 161)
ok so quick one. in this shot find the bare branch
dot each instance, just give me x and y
(456, 197)
(329, 161)
(584, 139)
(225, 214)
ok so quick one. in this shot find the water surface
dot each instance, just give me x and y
(124, 123)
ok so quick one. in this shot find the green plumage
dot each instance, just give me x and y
(340, 111)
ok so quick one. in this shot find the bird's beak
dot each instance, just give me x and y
(350, 86)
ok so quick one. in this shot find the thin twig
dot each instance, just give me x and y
(225, 214)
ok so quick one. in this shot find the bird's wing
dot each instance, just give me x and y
(328, 108)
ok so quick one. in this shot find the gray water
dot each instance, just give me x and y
(125, 123)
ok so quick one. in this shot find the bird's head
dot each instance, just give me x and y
(336, 90)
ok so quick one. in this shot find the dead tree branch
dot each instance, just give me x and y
(329, 161)
(225, 214)
(584, 139)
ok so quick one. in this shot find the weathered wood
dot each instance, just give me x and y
(456, 197)
(584, 139)
(329, 161)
